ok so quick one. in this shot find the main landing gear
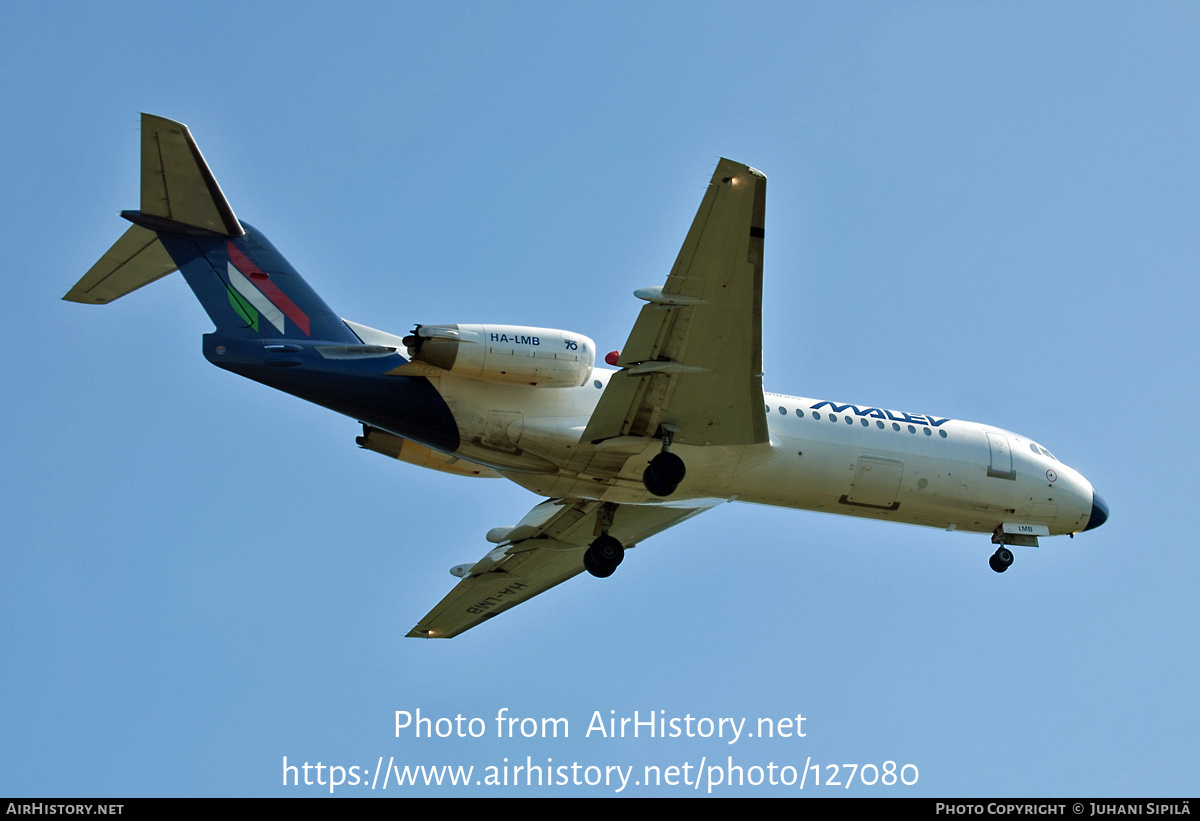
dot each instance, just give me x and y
(605, 553)
(1001, 559)
(665, 471)
(603, 556)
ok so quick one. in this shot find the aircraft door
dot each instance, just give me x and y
(876, 483)
(1001, 464)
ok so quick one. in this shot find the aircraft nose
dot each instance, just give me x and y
(1099, 512)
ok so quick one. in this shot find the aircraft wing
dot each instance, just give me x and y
(544, 550)
(693, 361)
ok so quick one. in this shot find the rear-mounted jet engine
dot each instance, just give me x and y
(510, 354)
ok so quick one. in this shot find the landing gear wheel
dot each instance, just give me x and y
(1001, 559)
(602, 558)
(664, 473)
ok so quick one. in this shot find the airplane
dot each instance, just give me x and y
(678, 423)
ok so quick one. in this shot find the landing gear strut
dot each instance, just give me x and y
(665, 471)
(603, 557)
(1001, 559)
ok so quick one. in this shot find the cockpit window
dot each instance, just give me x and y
(1038, 449)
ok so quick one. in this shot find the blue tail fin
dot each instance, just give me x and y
(250, 290)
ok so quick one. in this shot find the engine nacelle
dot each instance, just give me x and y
(506, 353)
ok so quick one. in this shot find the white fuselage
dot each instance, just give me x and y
(853, 460)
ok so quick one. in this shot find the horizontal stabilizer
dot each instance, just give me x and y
(136, 259)
(176, 182)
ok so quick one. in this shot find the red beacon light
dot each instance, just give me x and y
(611, 357)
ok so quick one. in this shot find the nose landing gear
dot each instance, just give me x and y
(1013, 533)
(1001, 559)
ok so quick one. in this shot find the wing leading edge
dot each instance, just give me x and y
(544, 550)
(694, 358)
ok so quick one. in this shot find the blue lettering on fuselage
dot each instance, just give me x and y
(517, 339)
(877, 413)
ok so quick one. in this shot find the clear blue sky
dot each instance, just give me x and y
(985, 211)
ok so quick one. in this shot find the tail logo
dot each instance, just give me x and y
(252, 294)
